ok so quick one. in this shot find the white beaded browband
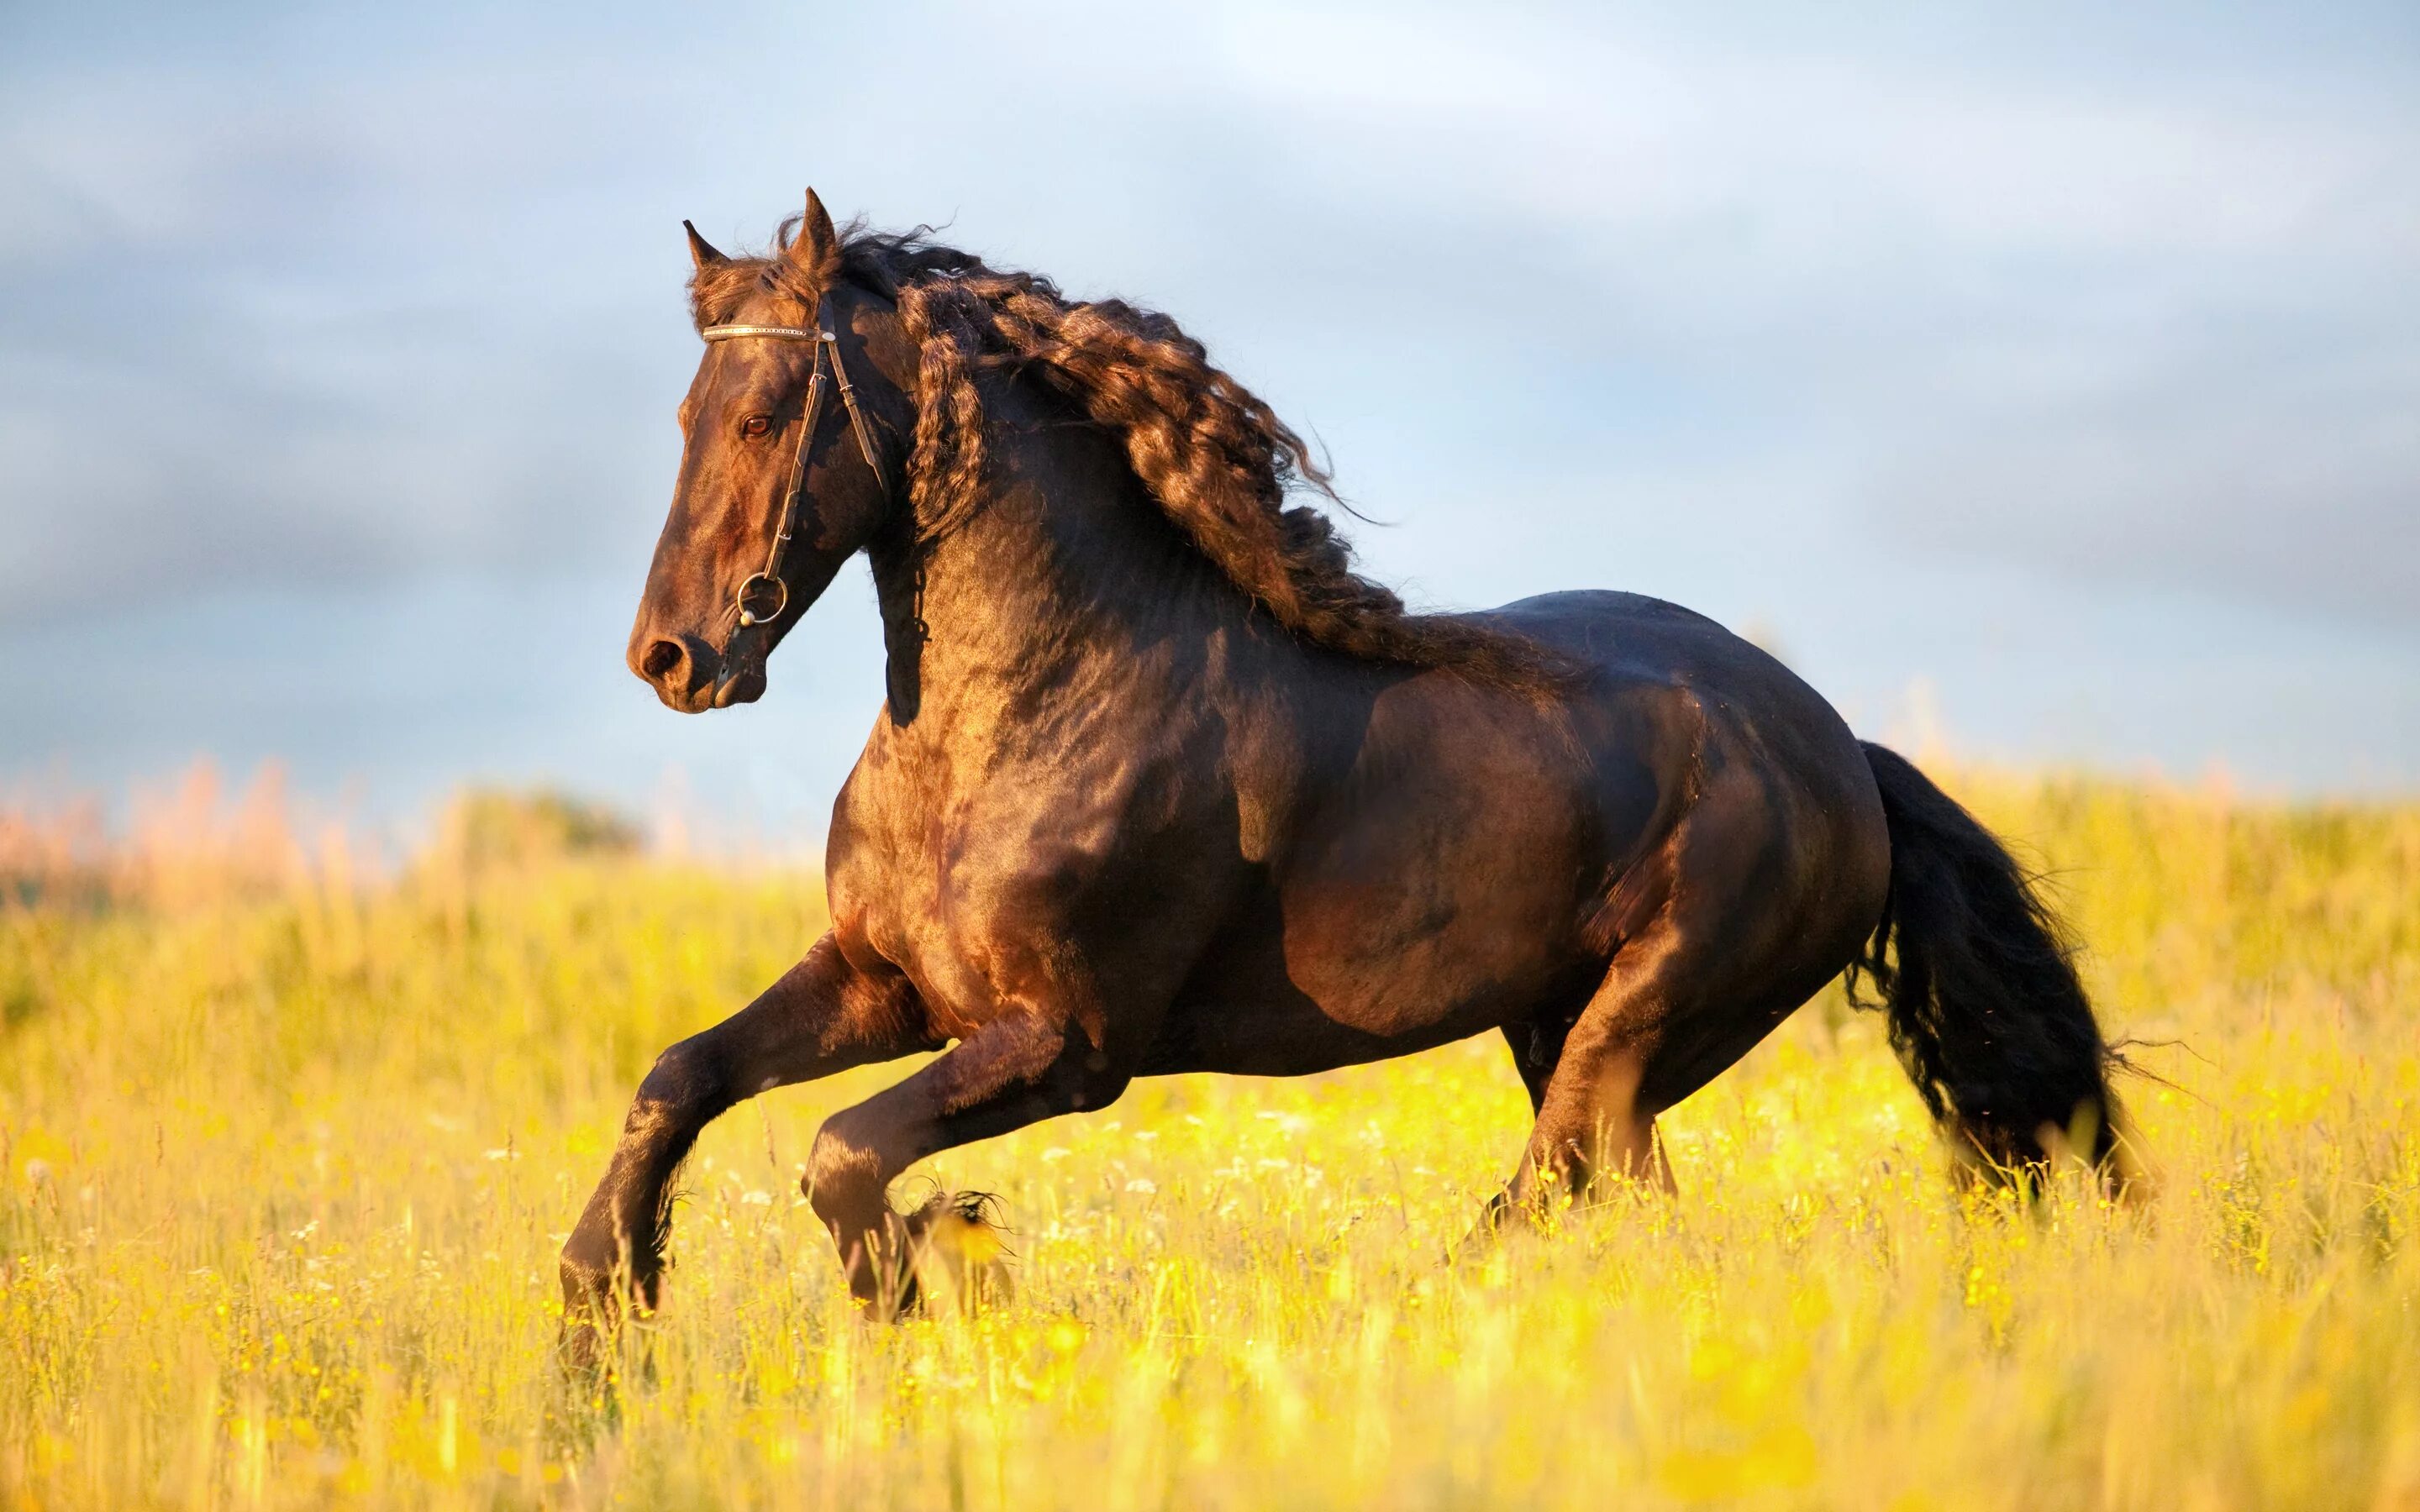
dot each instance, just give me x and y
(781, 332)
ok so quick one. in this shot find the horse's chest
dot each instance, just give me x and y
(1015, 888)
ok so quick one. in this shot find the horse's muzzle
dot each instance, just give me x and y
(692, 676)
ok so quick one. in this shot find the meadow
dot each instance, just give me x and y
(287, 1145)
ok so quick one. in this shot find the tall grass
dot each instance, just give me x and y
(285, 1158)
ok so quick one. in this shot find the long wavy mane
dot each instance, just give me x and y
(1218, 461)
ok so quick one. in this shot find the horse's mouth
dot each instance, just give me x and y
(738, 672)
(744, 683)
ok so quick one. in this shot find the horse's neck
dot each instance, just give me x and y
(1069, 579)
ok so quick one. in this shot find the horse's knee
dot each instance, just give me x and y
(844, 1171)
(686, 1078)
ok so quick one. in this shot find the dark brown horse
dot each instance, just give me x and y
(1162, 786)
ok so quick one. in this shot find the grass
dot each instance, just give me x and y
(283, 1166)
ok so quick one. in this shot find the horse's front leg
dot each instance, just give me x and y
(823, 1016)
(1018, 1069)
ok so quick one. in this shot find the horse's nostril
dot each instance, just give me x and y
(662, 658)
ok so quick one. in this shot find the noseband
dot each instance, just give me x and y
(763, 598)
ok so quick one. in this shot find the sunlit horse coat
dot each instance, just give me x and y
(1162, 786)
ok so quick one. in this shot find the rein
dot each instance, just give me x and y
(763, 598)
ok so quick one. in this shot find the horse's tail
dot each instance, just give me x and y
(1986, 1012)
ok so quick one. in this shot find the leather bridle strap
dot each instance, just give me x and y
(763, 598)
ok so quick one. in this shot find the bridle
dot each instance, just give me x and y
(763, 598)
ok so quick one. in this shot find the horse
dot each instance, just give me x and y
(1161, 785)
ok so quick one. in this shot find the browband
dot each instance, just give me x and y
(780, 332)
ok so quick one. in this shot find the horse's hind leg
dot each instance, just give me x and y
(1592, 1124)
(1754, 904)
(1666, 1019)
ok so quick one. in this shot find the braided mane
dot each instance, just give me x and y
(1216, 460)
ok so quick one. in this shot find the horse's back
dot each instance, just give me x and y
(1644, 658)
(1633, 643)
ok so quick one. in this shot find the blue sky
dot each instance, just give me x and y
(2057, 371)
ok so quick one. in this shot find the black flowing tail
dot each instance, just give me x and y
(1986, 1012)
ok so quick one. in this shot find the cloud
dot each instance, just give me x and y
(2252, 469)
(303, 303)
(2159, 330)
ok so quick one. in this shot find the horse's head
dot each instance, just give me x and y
(774, 413)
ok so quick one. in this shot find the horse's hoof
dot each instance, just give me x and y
(957, 1257)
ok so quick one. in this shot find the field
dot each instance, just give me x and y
(284, 1159)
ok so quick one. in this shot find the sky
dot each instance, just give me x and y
(2043, 378)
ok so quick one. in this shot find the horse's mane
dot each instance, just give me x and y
(1217, 460)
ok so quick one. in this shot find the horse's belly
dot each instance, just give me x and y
(1334, 975)
(1263, 1025)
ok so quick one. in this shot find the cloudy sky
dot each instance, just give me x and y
(2053, 369)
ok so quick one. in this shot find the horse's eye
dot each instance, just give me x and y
(756, 427)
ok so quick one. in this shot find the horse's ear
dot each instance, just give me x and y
(815, 250)
(701, 251)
